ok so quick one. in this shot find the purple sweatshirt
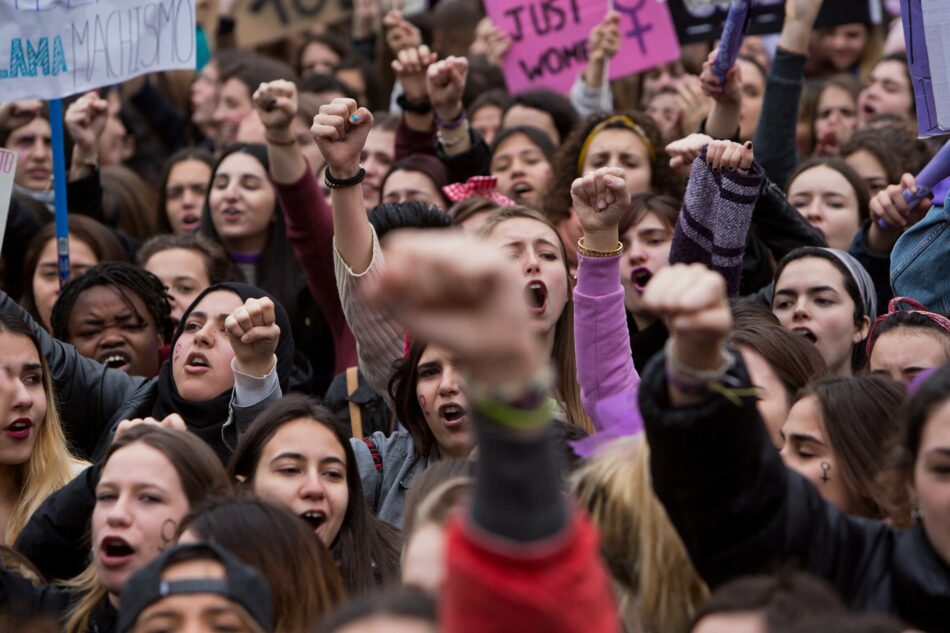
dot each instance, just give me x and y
(609, 382)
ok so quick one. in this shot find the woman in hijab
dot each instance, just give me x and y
(221, 373)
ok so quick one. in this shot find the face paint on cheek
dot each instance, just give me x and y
(424, 404)
(825, 469)
(177, 351)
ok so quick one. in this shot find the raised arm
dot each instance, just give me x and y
(737, 508)
(714, 221)
(309, 218)
(775, 137)
(520, 531)
(340, 130)
(591, 93)
(458, 145)
(605, 368)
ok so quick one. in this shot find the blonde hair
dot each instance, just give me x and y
(658, 589)
(50, 466)
(567, 389)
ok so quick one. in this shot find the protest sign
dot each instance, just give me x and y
(920, 71)
(549, 39)
(702, 20)
(55, 48)
(7, 172)
(936, 18)
(264, 21)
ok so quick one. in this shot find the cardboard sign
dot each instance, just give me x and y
(702, 20)
(549, 39)
(7, 172)
(265, 21)
(54, 48)
(920, 71)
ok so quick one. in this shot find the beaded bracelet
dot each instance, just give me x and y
(343, 183)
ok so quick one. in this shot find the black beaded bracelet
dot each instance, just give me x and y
(416, 107)
(337, 183)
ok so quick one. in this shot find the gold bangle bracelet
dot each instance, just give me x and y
(587, 252)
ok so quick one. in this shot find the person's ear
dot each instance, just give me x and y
(861, 331)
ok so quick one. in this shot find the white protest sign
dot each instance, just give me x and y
(7, 171)
(54, 48)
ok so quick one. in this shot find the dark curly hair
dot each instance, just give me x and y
(123, 277)
(663, 180)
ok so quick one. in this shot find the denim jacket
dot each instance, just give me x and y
(920, 258)
(386, 484)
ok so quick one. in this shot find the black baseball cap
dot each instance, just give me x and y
(242, 584)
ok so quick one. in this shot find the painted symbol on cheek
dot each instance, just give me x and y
(424, 404)
(825, 469)
(177, 351)
(169, 527)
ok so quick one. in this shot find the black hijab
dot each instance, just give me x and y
(205, 418)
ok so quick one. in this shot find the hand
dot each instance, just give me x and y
(693, 103)
(730, 156)
(890, 207)
(728, 93)
(490, 41)
(797, 29)
(18, 113)
(400, 32)
(473, 305)
(276, 103)
(86, 120)
(410, 67)
(340, 130)
(254, 333)
(173, 422)
(445, 82)
(600, 201)
(604, 39)
(685, 150)
(692, 300)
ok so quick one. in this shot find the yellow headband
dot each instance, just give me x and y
(628, 124)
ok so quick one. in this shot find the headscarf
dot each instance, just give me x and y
(861, 278)
(206, 417)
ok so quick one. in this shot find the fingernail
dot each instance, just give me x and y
(355, 119)
(748, 144)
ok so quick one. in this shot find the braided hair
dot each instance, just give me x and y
(121, 276)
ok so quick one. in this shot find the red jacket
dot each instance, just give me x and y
(560, 586)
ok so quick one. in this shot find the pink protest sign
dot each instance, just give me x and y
(549, 38)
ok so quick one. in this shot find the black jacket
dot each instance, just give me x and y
(739, 511)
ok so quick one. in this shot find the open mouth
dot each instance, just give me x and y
(452, 414)
(640, 277)
(231, 214)
(808, 334)
(115, 551)
(20, 429)
(116, 360)
(536, 296)
(314, 518)
(190, 222)
(197, 362)
(522, 189)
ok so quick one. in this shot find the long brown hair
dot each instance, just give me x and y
(567, 389)
(50, 466)
(365, 545)
(859, 417)
(201, 475)
(304, 581)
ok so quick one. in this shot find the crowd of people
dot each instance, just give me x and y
(355, 340)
